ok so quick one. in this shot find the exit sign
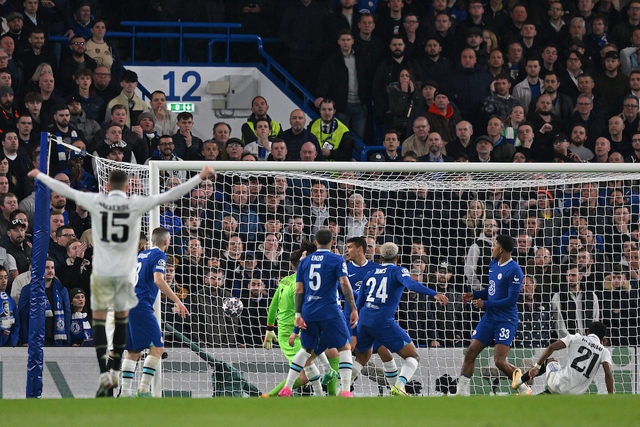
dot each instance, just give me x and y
(179, 107)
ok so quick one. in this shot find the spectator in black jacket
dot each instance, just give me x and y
(344, 78)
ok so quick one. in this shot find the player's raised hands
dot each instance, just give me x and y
(206, 172)
(442, 299)
(33, 173)
(467, 296)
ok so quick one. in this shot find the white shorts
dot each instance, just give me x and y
(553, 376)
(113, 292)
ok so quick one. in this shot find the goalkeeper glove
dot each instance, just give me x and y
(269, 338)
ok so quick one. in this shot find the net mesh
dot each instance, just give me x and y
(232, 237)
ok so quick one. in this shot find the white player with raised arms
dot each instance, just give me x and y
(116, 224)
(585, 356)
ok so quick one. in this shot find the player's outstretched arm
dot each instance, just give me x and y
(158, 279)
(608, 377)
(57, 186)
(207, 172)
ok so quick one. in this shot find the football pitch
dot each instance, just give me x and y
(478, 411)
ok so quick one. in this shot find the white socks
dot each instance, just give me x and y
(346, 366)
(406, 372)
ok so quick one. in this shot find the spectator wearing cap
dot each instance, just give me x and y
(79, 119)
(500, 103)
(8, 116)
(128, 97)
(81, 335)
(442, 117)
(15, 22)
(474, 41)
(611, 83)
(561, 149)
(80, 178)
(16, 245)
(428, 94)
(484, 147)
(76, 60)
(146, 130)
(82, 19)
(234, 149)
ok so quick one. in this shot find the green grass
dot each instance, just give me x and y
(545, 410)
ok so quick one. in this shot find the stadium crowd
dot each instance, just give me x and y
(446, 81)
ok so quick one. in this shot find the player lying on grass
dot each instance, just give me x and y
(283, 304)
(144, 330)
(378, 302)
(585, 355)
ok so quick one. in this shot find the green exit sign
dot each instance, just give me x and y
(179, 107)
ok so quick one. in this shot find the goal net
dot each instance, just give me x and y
(575, 229)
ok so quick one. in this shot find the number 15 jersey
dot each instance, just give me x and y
(320, 273)
(115, 222)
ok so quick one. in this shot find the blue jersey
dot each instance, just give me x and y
(381, 292)
(320, 273)
(358, 273)
(149, 262)
(501, 297)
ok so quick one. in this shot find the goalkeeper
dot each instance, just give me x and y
(283, 304)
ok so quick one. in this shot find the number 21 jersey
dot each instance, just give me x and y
(585, 355)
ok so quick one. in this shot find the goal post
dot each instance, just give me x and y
(443, 216)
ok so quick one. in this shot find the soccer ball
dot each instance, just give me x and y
(232, 307)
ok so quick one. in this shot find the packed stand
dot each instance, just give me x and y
(518, 82)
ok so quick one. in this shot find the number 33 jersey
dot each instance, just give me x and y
(584, 357)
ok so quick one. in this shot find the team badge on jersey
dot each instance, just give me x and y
(492, 287)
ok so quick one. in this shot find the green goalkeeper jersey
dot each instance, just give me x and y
(283, 304)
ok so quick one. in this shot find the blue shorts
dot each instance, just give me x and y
(144, 331)
(501, 332)
(324, 334)
(388, 334)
